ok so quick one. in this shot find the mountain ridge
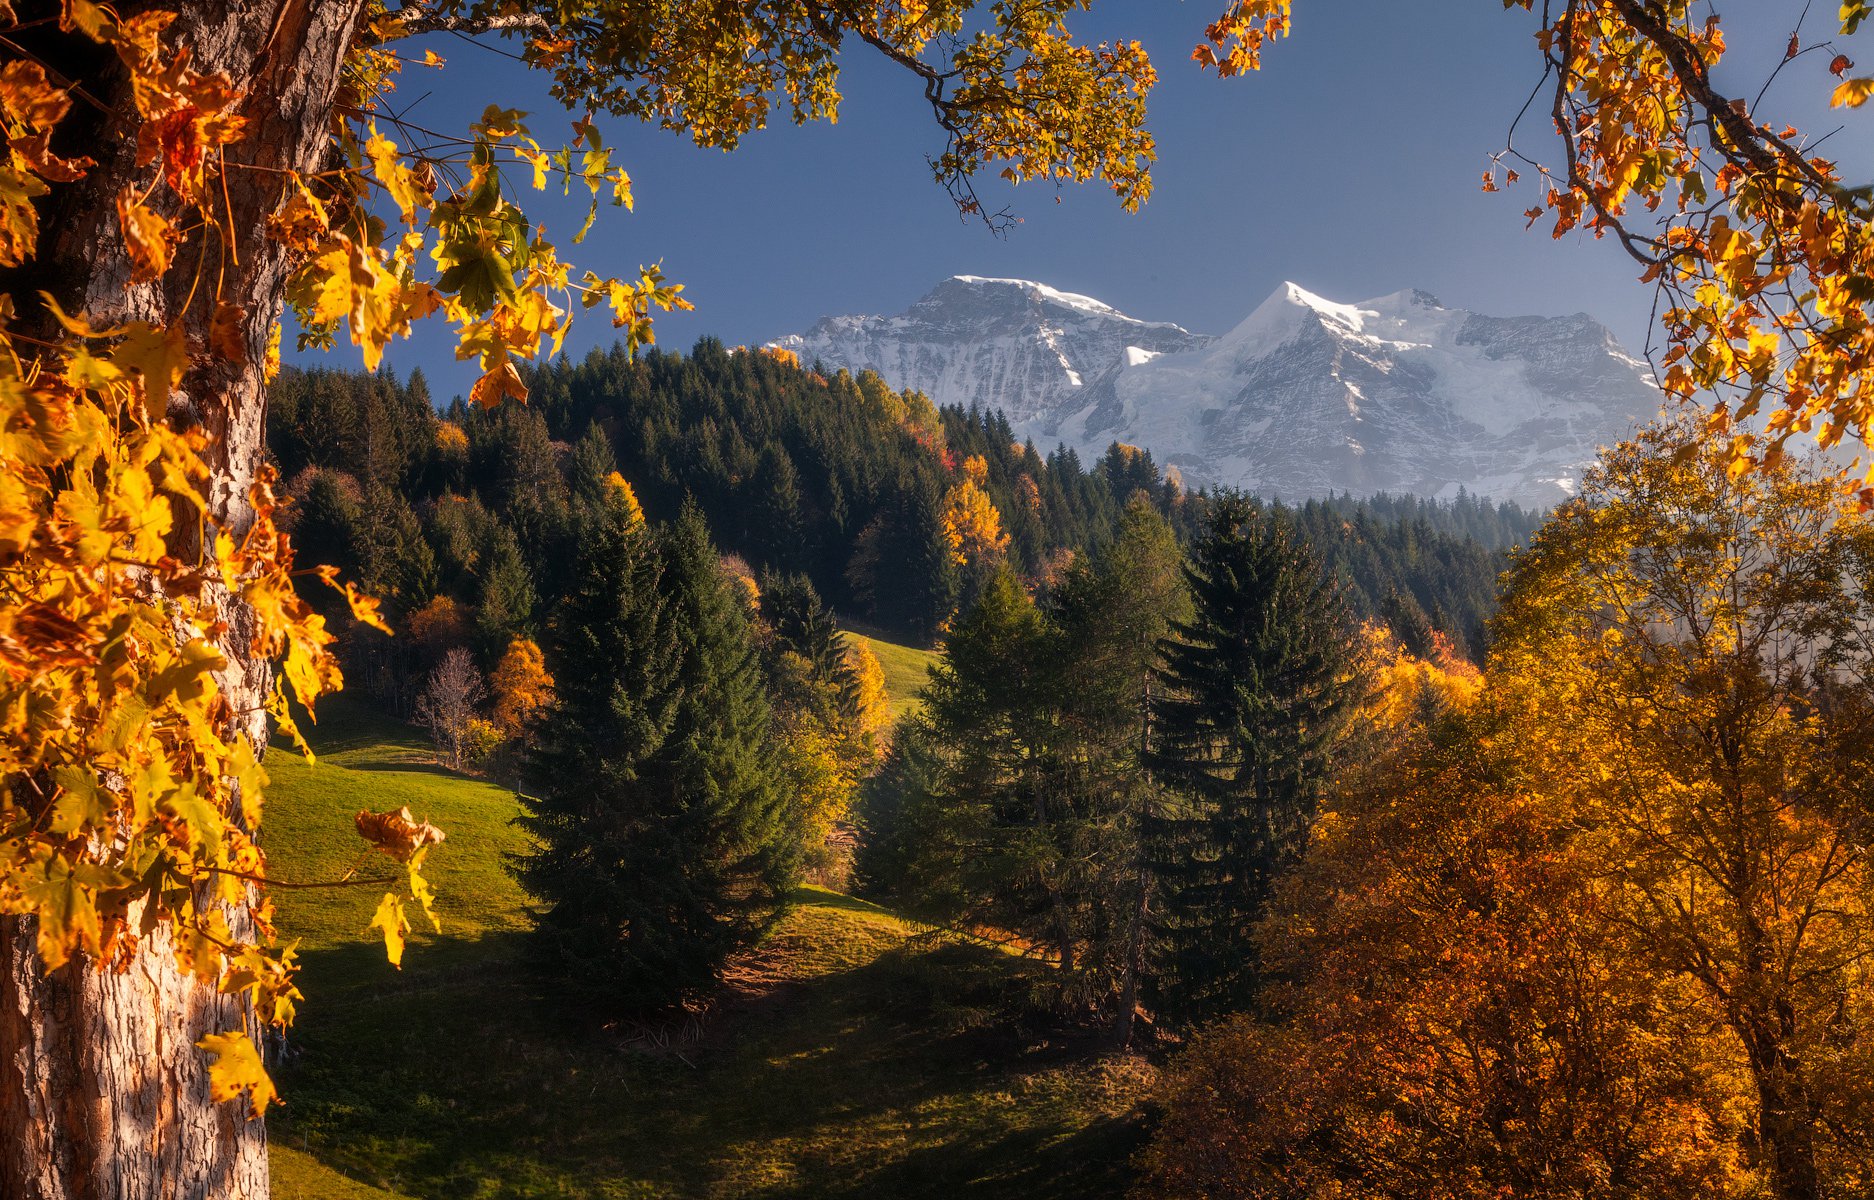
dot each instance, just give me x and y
(1304, 396)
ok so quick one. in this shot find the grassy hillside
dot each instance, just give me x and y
(297, 1175)
(906, 670)
(860, 1059)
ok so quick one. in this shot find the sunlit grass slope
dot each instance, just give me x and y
(906, 670)
(872, 1063)
(297, 1175)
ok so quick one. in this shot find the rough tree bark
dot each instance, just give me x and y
(103, 1095)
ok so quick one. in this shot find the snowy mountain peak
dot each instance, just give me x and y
(1010, 344)
(1288, 311)
(1038, 293)
(1293, 295)
(1305, 395)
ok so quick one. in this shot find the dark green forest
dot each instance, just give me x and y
(833, 477)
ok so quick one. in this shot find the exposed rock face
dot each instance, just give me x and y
(1303, 397)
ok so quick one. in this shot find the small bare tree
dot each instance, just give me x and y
(448, 702)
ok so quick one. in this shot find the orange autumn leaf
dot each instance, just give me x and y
(497, 385)
(397, 834)
(148, 237)
(35, 150)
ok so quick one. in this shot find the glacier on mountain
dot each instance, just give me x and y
(1303, 397)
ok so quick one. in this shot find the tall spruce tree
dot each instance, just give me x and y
(505, 593)
(743, 856)
(1017, 801)
(1252, 695)
(656, 820)
(990, 855)
(1112, 617)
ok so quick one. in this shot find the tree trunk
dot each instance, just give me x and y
(1786, 1114)
(103, 1095)
(1127, 1018)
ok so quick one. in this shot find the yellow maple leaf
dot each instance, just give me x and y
(236, 1068)
(399, 180)
(390, 919)
(1852, 93)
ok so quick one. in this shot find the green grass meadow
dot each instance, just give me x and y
(867, 1059)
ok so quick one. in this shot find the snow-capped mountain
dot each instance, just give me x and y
(1303, 397)
(1010, 344)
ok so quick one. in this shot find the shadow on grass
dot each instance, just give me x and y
(415, 765)
(348, 722)
(429, 960)
(1034, 1164)
(912, 1073)
(839, 902)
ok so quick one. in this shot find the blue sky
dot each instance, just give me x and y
(1350, 164)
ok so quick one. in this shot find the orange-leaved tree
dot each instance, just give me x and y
(523, 689)
(1603, 926)
(1694, 650)
(1448, 1023)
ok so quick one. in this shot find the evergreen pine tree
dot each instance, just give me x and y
(657, 823)
(505, 597)
(776, 521)
(1113, 617)
(595, 822)
(1252, 694)
(324, 525)
(740, 855)
(989, 854)
(1017, 800)
(895, 804)
(802, 623)
(592, 464)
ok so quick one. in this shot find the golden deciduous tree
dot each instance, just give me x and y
(1452, 1026)
(450, 440)
(1601, 926)
(819, 778)
(867, 700)
(438, 625)
(1403, 688)
(523, 689)
(972, 525)
(1694, 649)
